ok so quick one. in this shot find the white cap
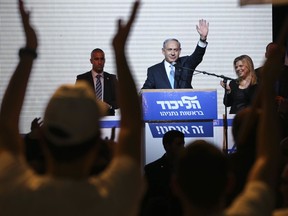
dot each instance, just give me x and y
(72, 115)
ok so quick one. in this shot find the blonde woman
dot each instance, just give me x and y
(240, 92)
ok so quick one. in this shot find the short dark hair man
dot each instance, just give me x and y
(108, 82)
(159, 199)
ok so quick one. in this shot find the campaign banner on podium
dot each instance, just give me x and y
(179, 104)
(190, 129)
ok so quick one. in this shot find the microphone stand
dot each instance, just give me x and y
(204, 72)
(225, 121)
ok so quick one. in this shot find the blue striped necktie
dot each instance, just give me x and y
(98, 87)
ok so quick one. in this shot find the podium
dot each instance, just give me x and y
(194, 112)
(187, 110)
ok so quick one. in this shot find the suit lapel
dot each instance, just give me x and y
(163, 75)
(106, 79)
(90, 79)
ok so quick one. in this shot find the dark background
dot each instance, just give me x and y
(279, 14)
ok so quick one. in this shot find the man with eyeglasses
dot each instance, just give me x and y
(176, 72)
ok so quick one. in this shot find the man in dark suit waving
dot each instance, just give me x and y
(107, 83)
(174, 71)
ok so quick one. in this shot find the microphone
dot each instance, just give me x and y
(181, 68)
(178, 71)
(176, 65)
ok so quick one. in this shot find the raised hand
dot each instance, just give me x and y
(36, 124)
(129, 138)
(12, 101)
(120, 37)
(31, 38)
(203, 29)
(35, 128)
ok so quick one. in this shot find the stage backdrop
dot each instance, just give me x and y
(68, 30)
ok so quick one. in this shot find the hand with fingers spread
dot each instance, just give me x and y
(203, 29)
(35, 128)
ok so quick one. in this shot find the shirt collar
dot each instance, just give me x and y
(94, 73)
(167, 66)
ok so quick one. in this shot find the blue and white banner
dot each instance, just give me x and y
(190, 129)
(179, 105)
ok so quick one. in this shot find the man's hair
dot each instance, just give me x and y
(97, 50)
(171, 135)
(170, 39)
(269, 44)
(201, 172)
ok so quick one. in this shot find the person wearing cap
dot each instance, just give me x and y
(70, 138)
(108, 81)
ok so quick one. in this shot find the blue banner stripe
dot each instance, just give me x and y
(116, 123)
(220, 122)
(110, 124)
